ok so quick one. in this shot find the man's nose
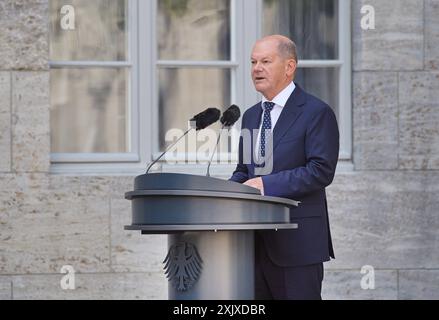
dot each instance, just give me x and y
(257, 67)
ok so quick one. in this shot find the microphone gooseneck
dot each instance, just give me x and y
(164, 152)
(202, 121)
(213, 153)
(229, 118)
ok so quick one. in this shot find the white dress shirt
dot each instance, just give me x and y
(279, 103)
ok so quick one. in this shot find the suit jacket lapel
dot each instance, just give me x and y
(254, 125)
(289, 115)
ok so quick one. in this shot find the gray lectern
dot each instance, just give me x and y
(210, 223)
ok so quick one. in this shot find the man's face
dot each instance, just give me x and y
(270, 72)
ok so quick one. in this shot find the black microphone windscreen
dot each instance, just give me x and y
(206, 118)
(230, 116)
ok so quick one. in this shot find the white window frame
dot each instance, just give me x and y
(345, 88)
(246, 28)
(107, 162)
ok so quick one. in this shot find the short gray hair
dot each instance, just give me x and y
(287, 49)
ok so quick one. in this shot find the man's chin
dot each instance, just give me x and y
(260, 88)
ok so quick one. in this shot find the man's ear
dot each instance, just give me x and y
(291, 67)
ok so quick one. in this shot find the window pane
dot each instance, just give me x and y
(99, 34)
(186, 92)
(89, 110)
(322, 83)
(311, 24)
(193, 29)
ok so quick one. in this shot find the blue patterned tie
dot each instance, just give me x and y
(266, 125)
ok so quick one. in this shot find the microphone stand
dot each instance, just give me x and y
(173, 144)
(214, 151)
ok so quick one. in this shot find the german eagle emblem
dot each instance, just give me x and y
(183, 266)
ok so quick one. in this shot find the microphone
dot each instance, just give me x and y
(229, 118)
(202, 121)
(206, 118)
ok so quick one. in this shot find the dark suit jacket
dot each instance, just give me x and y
(306, 149)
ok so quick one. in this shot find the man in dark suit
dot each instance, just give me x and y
(303, 157)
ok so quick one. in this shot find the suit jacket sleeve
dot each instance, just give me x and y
(241, 172)
(321, 150)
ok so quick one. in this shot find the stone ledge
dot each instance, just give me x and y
(346, 285)
(98, 286)
(5, 288)
(419, 284)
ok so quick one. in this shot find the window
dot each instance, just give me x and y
(195, 68)
(91, 81)
(320, 30)
(133, 70)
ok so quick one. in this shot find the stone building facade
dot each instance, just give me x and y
(384, 212)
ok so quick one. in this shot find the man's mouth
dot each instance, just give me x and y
(259, 78)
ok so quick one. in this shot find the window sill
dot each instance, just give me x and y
(104, 169)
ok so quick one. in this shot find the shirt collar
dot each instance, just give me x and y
(282, 98)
